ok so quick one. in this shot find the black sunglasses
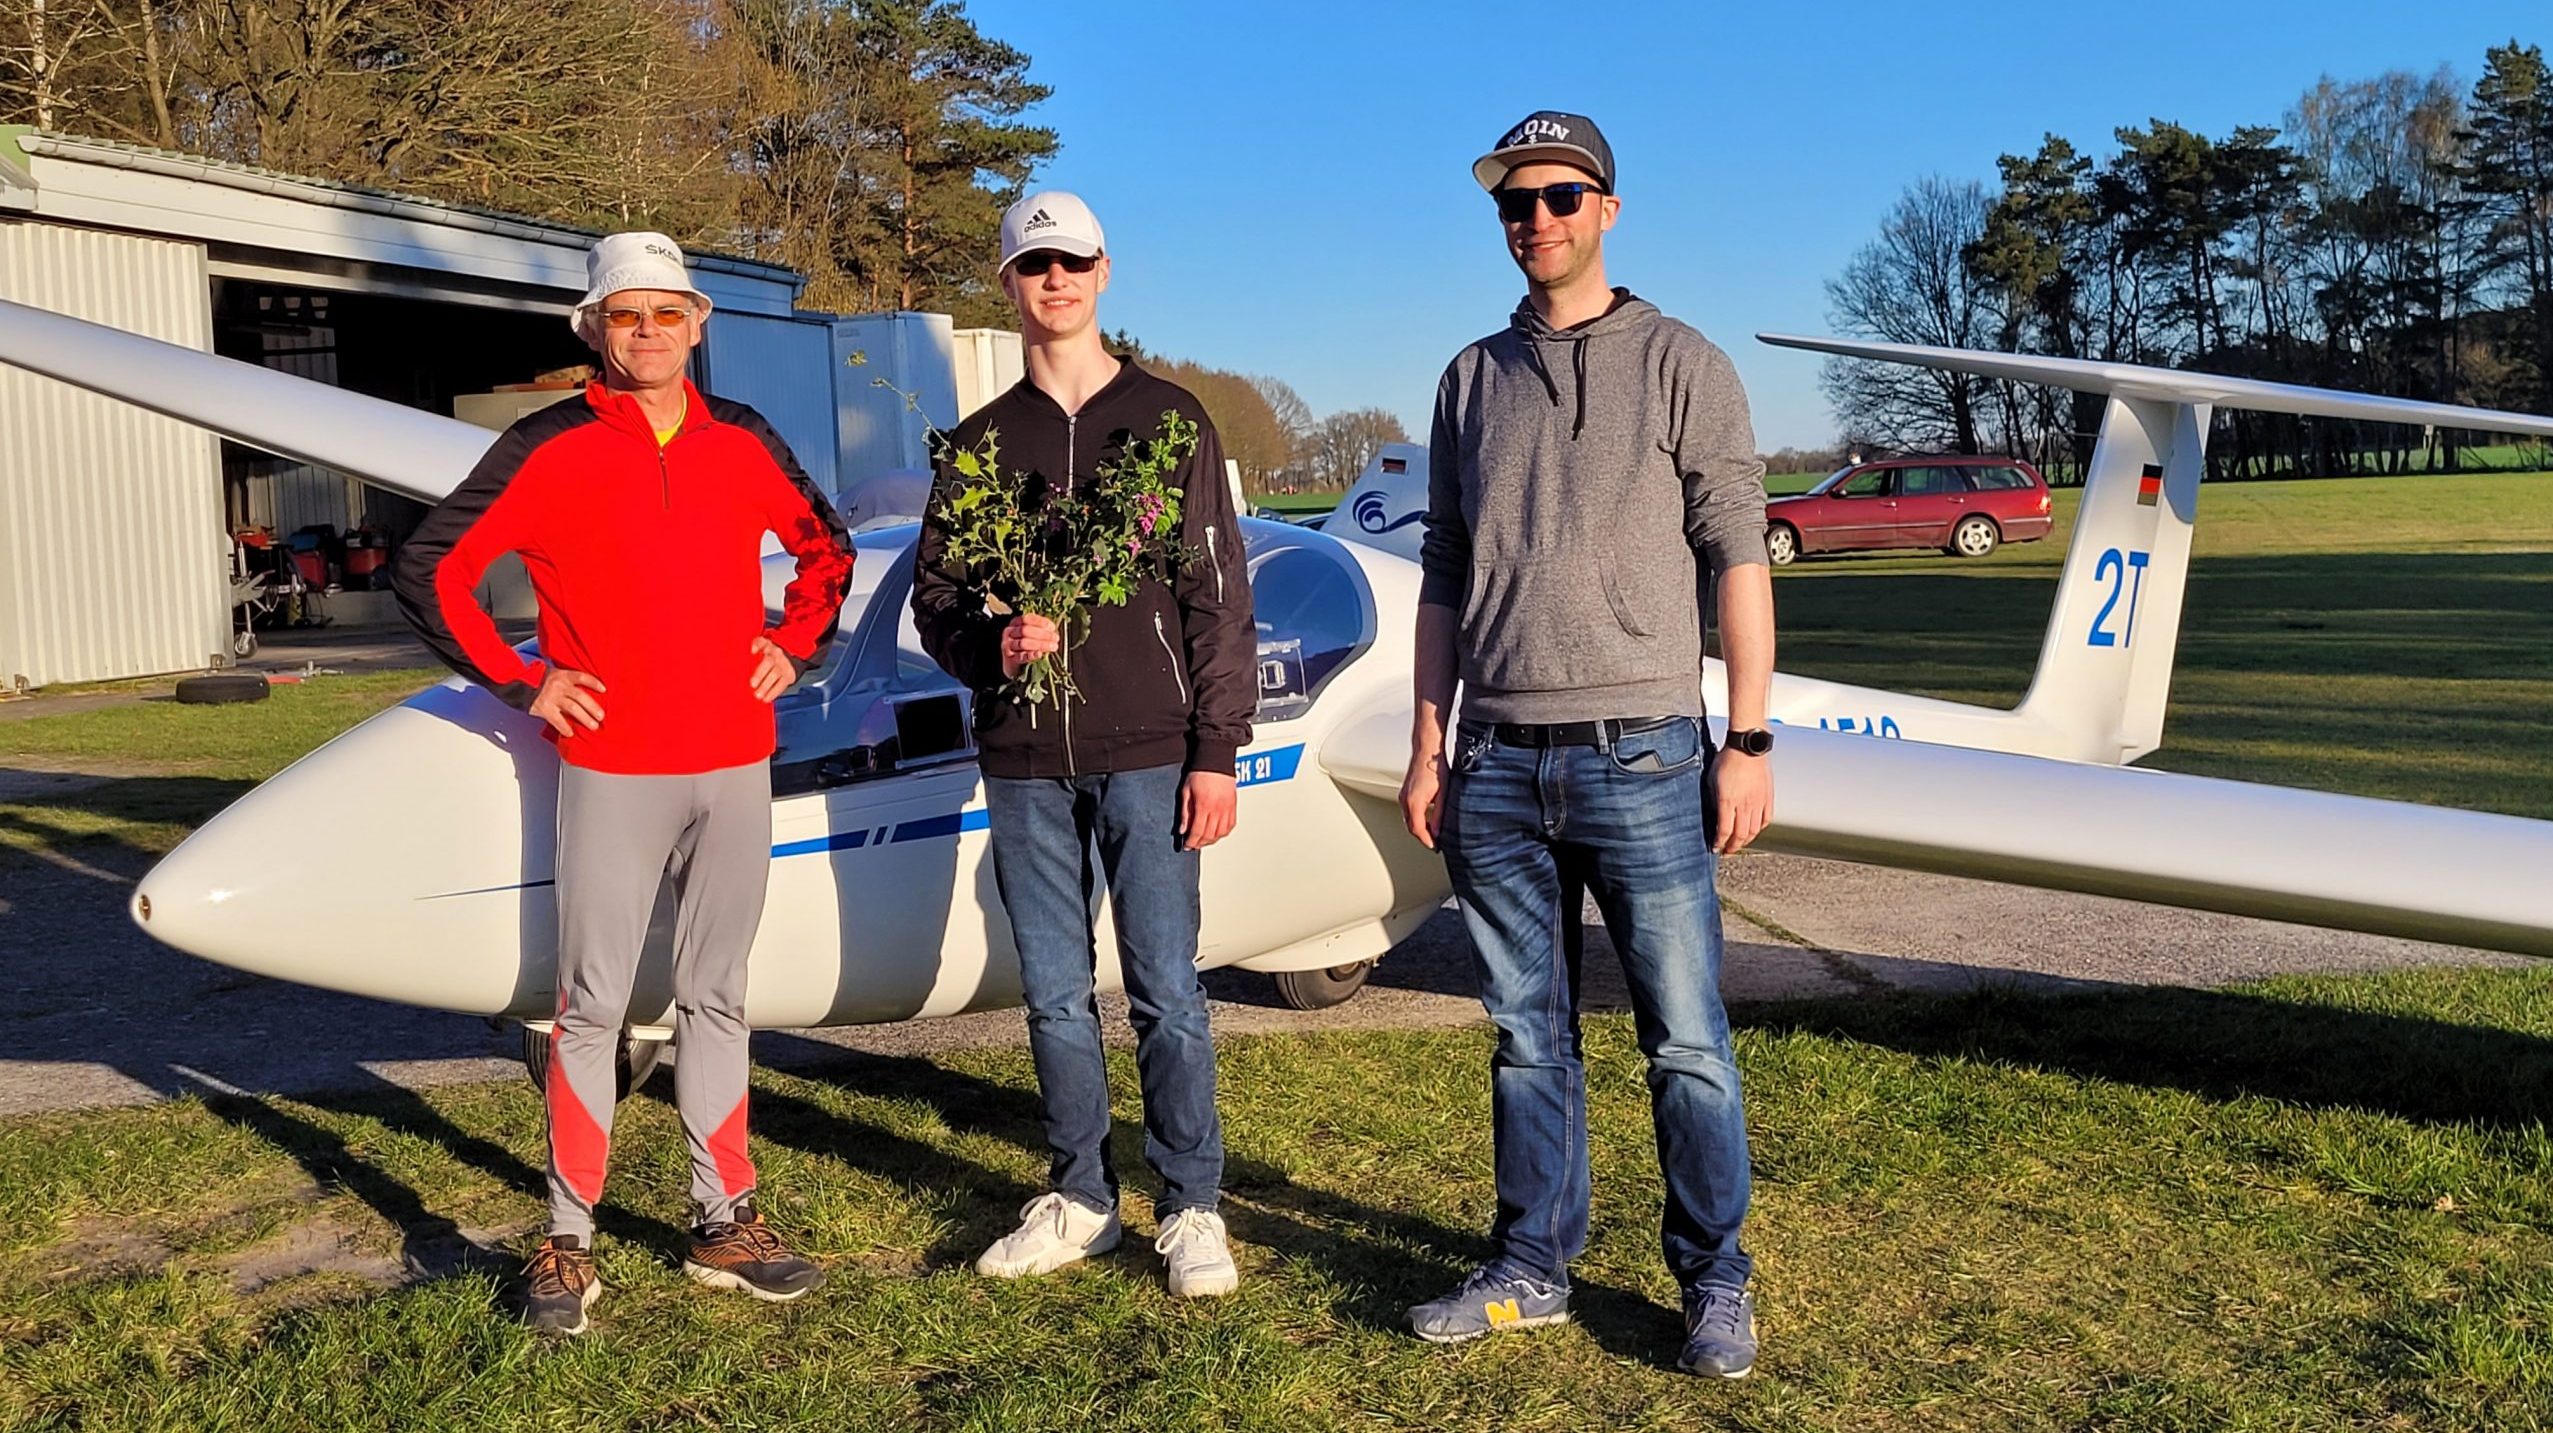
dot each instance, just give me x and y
(1516, 206)
(1035, 265)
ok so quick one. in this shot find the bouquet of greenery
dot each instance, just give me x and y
(1054, 549)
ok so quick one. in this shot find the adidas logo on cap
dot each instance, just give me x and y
(1038, 220)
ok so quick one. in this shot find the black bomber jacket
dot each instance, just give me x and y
(1170, 677)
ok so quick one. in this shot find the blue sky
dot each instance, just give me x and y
(1286, 188)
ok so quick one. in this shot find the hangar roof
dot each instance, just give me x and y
(263, 224)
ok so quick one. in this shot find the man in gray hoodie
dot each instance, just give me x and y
(1592, 482)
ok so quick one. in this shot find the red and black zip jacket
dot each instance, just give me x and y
(647, 563)
(1169, 678)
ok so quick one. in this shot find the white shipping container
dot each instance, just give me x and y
(878, 360)
(989, 361)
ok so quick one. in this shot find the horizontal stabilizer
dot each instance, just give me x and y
(388, 444)
(2172, 385)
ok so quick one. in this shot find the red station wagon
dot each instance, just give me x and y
(1964, 506)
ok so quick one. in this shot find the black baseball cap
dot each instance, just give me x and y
(1548, 134)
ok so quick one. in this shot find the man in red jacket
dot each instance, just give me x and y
(639, 509)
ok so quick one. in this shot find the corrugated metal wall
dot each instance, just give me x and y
(113, 562)
(781, 366)
(877, 432)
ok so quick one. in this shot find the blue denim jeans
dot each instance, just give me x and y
(1524, 827)
(1044, 831)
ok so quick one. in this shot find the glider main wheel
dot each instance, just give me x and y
(1974, 537)
(637, 1061)
(1782, 544)
(1321, 989)
(222, 689)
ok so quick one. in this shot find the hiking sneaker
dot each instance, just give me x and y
(560, 1285)
(745, 1255)
(1192, 1243)
(1494, 1299)
(1053, 1231)
(1719, 1332)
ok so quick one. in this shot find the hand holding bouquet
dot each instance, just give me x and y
(1055, 548)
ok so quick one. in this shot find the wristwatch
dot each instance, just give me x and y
(1751, 743)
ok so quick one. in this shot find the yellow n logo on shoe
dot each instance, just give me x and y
(1502, 1313)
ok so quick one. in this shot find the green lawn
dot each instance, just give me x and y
(2383, 636)
(2317, 1204)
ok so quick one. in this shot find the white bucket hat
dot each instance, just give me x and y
(639, 260)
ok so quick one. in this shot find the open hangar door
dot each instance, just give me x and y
(423, 353)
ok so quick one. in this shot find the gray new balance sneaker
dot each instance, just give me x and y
(1494, 1299)
(1719, 1332)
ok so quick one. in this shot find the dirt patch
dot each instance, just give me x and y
(102, 1248)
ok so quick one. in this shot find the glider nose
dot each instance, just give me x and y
(397, 862)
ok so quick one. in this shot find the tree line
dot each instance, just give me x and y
(1269, 430)
(2391, 235)
(869, 144)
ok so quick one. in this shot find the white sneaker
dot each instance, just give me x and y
(1200, 1260)
(1053, 1231)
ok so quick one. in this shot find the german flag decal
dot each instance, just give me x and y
(2149, 487)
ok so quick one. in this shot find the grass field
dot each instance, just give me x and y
(2313, 1204)
(2386, 637)
(2321, 1204)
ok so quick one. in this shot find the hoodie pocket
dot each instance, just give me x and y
(1620, 604)
(1540, 623)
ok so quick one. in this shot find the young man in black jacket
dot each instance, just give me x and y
(1139, 764)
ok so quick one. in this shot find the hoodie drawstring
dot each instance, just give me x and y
(1577, 369)
(1579, 366)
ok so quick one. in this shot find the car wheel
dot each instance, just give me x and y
(1974, 537)
(1781, 544)
(1321, 989)
(222, 689)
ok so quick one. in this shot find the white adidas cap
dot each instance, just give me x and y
(1054, 220)
(638, 260)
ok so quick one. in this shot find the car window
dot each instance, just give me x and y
(1989, 479)
(1872, 484)
(1932, 482)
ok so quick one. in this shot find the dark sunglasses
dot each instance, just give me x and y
(1032, 266)
(667, 316)
(1516, 206)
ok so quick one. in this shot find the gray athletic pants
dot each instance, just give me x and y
(618, 837)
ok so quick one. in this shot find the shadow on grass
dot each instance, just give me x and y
(1381, 1260)
(432, 1245)
(2223, 1045)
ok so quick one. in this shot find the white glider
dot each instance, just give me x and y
(882, 906)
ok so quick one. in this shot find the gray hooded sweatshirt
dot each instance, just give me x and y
(1560, 464)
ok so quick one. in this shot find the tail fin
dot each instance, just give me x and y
(1384, 508)
(2105, 666)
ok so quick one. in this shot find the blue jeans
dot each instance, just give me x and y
(1522, 826)
(1043, 832)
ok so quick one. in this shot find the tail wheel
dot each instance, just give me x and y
(637, 1060)
(1321, 989)
(1974, 537)
(1782, 544)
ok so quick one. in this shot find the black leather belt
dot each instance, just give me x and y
(1576, 733)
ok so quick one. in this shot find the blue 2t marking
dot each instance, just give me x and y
(2125, 572)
